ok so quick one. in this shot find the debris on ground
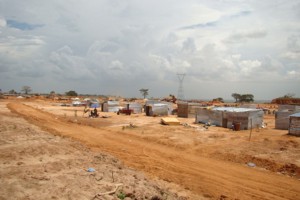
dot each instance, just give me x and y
(250, 164)
(91, 169)
(131, 125)
(169, 121)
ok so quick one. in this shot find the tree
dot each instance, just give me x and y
(12, 92)
(236, 96)
(144, 92)
(288, 96)
(247, 98)
(52, 93)
(72, 93)
(219, 99)
(26, 89)
(243, 97)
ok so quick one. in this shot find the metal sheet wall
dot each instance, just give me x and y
(294, 127)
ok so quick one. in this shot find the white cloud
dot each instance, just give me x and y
(245, 35)
(292, 55)
(22, 47)
(2, 22)
(125, 42)
(68, 66)
(161, 62)
(292, 48)
(236, 56)
(200, 14)
(293, 75)
(116, 65)
(249, 66)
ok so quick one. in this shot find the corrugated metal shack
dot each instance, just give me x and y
(248, 106)
(158, 108)
(294, 125)
(282, 116)
(136, 107)
(227, 116)
(187, 110)
(110, 106)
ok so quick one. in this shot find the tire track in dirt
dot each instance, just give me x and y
(214, 178)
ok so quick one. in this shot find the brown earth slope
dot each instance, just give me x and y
(212, 177)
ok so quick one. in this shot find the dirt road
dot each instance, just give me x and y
(35, 164)
(210, 177)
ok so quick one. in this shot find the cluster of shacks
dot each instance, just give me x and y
(150, 107)
(114, 106)
(245, 117)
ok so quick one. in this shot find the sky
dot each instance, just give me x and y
(117, 47)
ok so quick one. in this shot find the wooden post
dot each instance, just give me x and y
(289, 125)
(250, 130)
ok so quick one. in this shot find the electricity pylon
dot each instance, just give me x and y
(180, 94)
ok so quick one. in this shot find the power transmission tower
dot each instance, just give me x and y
(180, 95)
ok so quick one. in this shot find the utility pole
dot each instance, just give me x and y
(180, 95)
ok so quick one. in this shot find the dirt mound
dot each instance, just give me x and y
(295, 101)
(271, 165)
(290, 169)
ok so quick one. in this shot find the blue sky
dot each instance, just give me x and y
(22, 25)
(118, 47)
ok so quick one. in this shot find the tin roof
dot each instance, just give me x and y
(295, 115)
(234, 109)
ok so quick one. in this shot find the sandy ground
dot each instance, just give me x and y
(36, 164)
(209, 163)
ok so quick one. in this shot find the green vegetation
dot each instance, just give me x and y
(219, 99)
(288, 96)
(121, 195)
(12, 92)
(243, 97)
(26, 89)
(72, 93)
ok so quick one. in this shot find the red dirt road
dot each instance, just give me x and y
(210, 177)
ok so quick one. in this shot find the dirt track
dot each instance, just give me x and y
(36, 164)
(210, 177)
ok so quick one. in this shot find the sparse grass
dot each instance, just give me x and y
(121, 195)
(130, 126)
